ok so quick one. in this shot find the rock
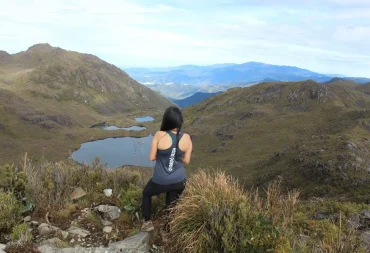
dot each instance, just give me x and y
(34, 223)
(78, 231)
(77, 193)
(46, 229)
(109, 212)
(47, 249)
(2, 127)
(27, 219)
(107, 223)
(2, 248)
(140, 241)
(54, 242)
(365, 214)
(365, 239)
(64, 234)
(354, 221)
(72, 241)
(107, 229)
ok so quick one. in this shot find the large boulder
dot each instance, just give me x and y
(138, 243)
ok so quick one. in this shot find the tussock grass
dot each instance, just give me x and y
(215, 214)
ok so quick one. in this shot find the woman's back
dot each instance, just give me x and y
(169, 156)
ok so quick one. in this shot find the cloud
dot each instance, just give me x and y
(307, 34)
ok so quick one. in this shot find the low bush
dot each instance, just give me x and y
(21, 233)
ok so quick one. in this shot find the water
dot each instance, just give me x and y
(144, 119)
(116, 152)
(132, 128)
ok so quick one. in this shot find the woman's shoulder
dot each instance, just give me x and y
(160, 134)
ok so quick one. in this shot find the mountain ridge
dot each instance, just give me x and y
(314, 136)
(52, 96)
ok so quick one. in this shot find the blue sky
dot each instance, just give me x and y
(327, 36)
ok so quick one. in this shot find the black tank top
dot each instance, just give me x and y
(169, 169)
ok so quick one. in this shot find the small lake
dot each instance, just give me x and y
(144, 119)
(116, 152)
(132, 128)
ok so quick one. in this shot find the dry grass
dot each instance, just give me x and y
(216, 215)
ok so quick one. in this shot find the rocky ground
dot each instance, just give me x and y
(94, 230)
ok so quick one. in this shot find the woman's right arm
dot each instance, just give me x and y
(187, 155)
(153, 148)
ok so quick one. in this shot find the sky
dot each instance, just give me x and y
(326, 36)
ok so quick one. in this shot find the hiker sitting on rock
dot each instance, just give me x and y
(170, 149)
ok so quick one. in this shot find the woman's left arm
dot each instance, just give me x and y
(153, 148)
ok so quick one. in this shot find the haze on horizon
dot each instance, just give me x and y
(327, 36)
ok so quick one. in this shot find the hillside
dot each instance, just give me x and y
(249, 72)
(49, 96)
(314, 136)
(194, 99)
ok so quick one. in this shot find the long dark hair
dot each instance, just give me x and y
(172, 118)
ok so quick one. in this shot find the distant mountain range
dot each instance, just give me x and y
(194, 99)
(220, 77)
(228, 73)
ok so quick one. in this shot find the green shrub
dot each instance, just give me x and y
(130, 198)
(13, 180)
(9, 211)
(21, 233)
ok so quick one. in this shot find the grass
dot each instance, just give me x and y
(269, 130)
(216, 215)
(49, 87)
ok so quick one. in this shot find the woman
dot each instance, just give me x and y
(170, 149)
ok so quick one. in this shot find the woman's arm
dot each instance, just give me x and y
(187, 155)
(153, 148)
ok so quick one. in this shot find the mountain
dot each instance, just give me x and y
(250, 72)
(314, 136)
(193, 99)
(49, 95)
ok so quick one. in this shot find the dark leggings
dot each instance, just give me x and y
(173, 192)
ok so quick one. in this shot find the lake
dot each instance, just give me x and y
(144, 119)
(116, 152)
(132, 128)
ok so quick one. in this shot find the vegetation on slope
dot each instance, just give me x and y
(314, 136)
(213, 215)
(49, 97)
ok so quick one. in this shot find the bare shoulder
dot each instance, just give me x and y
(186, 137)
(160, 134)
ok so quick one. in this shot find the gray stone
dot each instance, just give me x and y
(365, 239)
(27, 219)
(365, 214)
(354, 221)
(47, 249)
(46, 229)
(107, 223)
(34, 223)
(140, 241)
(109, 212)
(107, 229)
(77, 193)
(2, 248)
(78, 231)
(54, 242)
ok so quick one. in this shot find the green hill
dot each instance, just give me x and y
(49, 96)
(314, 136)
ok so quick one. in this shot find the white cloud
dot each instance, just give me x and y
(304, 33)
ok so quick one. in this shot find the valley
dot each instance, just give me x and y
(49, 97)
